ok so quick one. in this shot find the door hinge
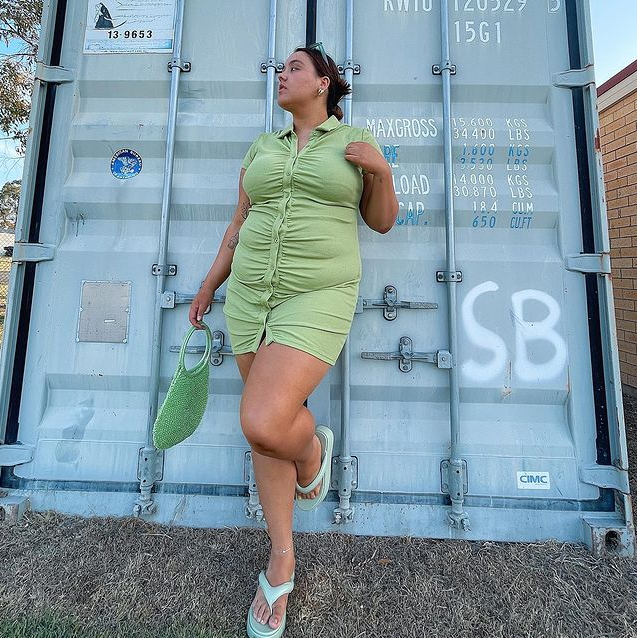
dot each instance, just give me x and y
(53, 74)
(11, 455)
(606, 476)
(23, 251)
(598, 263)
(575, 78)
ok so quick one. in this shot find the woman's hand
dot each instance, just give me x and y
(367, 157)
(199, 305)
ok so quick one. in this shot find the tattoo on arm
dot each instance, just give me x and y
(234, 240)
(245, 209)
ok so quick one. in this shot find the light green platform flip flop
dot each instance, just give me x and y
(326, 437)
(254, 628)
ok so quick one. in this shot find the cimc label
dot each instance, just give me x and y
(534, 481)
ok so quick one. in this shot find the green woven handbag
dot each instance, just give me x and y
(185, 402)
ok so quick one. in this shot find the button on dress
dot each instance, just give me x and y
(296, 270)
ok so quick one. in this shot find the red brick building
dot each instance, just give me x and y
(617, 105)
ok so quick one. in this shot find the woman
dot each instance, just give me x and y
(291, 254)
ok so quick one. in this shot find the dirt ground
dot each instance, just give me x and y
(65, 577)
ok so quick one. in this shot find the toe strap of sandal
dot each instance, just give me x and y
(325, 459)
(272, 594)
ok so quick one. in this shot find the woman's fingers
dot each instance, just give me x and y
(197, 310)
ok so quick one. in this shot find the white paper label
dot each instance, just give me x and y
(130, 26)
(534, 481)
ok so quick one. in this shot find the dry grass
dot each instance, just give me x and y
(70, 577)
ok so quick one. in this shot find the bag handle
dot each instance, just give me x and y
(206, 355)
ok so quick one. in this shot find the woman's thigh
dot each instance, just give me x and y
(279, 380)
(244, 363)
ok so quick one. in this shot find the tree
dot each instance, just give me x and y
(19, 30)
(9, 198)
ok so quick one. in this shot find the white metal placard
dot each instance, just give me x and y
(130, 26)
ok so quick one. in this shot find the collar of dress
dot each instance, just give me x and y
(330, 123)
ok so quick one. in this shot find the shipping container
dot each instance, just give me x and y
(478, 395)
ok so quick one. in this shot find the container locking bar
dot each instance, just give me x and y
(598, 263)
(217, 353)
(48, 74)
(406, 356)
(344, 480)
(390, 304)
(150, 468)
(23, 252)
(253, 508)
(575, 78)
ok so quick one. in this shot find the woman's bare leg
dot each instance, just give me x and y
(280, 430)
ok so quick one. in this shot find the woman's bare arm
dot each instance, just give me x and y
(378, 205)
(220, 269)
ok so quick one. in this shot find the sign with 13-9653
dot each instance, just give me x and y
(130, 26)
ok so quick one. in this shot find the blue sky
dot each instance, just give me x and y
(614, 41)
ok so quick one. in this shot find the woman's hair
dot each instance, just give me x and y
(338, 87)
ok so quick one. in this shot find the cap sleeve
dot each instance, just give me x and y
(252, 151)
(366, 136)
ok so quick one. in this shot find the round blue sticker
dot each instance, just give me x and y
(126, 164)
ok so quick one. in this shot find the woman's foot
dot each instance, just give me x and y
(307, 471)
(279, 571)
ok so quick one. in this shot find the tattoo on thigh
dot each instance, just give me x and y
(234, 240)
(245, 209)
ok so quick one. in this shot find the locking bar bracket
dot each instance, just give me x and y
(449, 478)
(186, 67)
(349, 66)
(437, 69)
(443, 276)
(271, 63)
(170, 270)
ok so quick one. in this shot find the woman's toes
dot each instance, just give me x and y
(275, 619)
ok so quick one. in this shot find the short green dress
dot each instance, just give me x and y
(296, 269)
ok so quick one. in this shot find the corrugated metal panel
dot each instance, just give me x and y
(529, 426)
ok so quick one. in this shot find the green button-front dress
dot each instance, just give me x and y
(296, 269)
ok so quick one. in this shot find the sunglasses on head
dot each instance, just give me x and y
(318, 46)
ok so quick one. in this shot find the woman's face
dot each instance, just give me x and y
(298, 82)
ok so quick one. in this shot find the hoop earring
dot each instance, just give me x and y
(321, 91)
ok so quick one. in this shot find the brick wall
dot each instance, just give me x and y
(619, 148)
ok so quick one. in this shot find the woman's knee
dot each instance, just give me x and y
(260, 426)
